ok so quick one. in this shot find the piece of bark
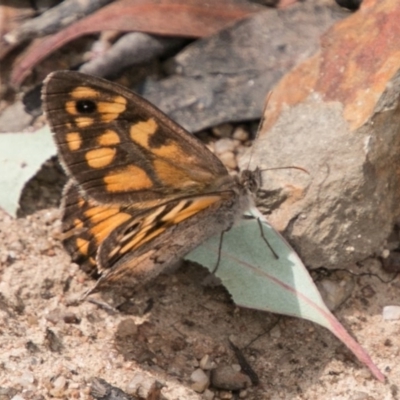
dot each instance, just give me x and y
(132, 49)
(185, 18)
(227, 76)
(337, 116)
(102, 390)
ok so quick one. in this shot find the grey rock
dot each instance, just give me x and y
(226, 77)
(344, 208)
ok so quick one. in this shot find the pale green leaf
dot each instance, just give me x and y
(21, 156)
(256, 279)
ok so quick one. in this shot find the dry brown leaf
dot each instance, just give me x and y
(187, 18)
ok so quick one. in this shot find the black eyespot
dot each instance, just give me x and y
(86, 106)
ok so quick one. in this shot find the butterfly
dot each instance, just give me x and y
(142, 191)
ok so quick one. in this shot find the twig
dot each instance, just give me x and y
(132, 48)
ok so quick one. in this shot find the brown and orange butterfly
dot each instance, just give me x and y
(142, 191)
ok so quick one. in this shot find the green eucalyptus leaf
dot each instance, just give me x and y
(21, 156)
(257, 279)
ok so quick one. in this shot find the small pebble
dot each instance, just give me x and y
(137, 381)
(59, 383)
(225, 377)
(225, 395)
(31, 347)
(208, 395)
(391, 312)
(17, 397)
(224, 145)
(385, 253)
(236, 367)
(54, 316)
(335, 292)
(229, 160)
(223, 130)
(26, 379)
(52, 341)
(200, 381)
(240, 134)
(71, 318)
(242, 394)
(360, 396)
(43, 245)
(16, 246)
(206, 363)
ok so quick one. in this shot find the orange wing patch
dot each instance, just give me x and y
(78, 224)
(84, 122)
(177, 214)
(70, 107)
(102, 229)
(171, 151)
(140, 239)
(172, 176)
(82, 245)
(82, 92)
(110, 110)
(128, 178)
(100, 158)
(142, 131)
(184, 209)
(74, 140)
(108, 138)
(100, 213)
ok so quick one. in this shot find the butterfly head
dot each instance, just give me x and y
(251, 180)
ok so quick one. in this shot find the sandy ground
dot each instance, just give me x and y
(53, 346)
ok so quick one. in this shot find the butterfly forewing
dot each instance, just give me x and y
(121, 149)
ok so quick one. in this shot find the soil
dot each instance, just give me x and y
(53, 345)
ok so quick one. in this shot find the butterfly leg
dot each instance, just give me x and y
(219, 251)
(265, 239)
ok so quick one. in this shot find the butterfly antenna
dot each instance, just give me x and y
(287, 167)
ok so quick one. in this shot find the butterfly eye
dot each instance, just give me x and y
(86, 106)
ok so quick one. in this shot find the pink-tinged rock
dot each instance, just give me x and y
(336, 116)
